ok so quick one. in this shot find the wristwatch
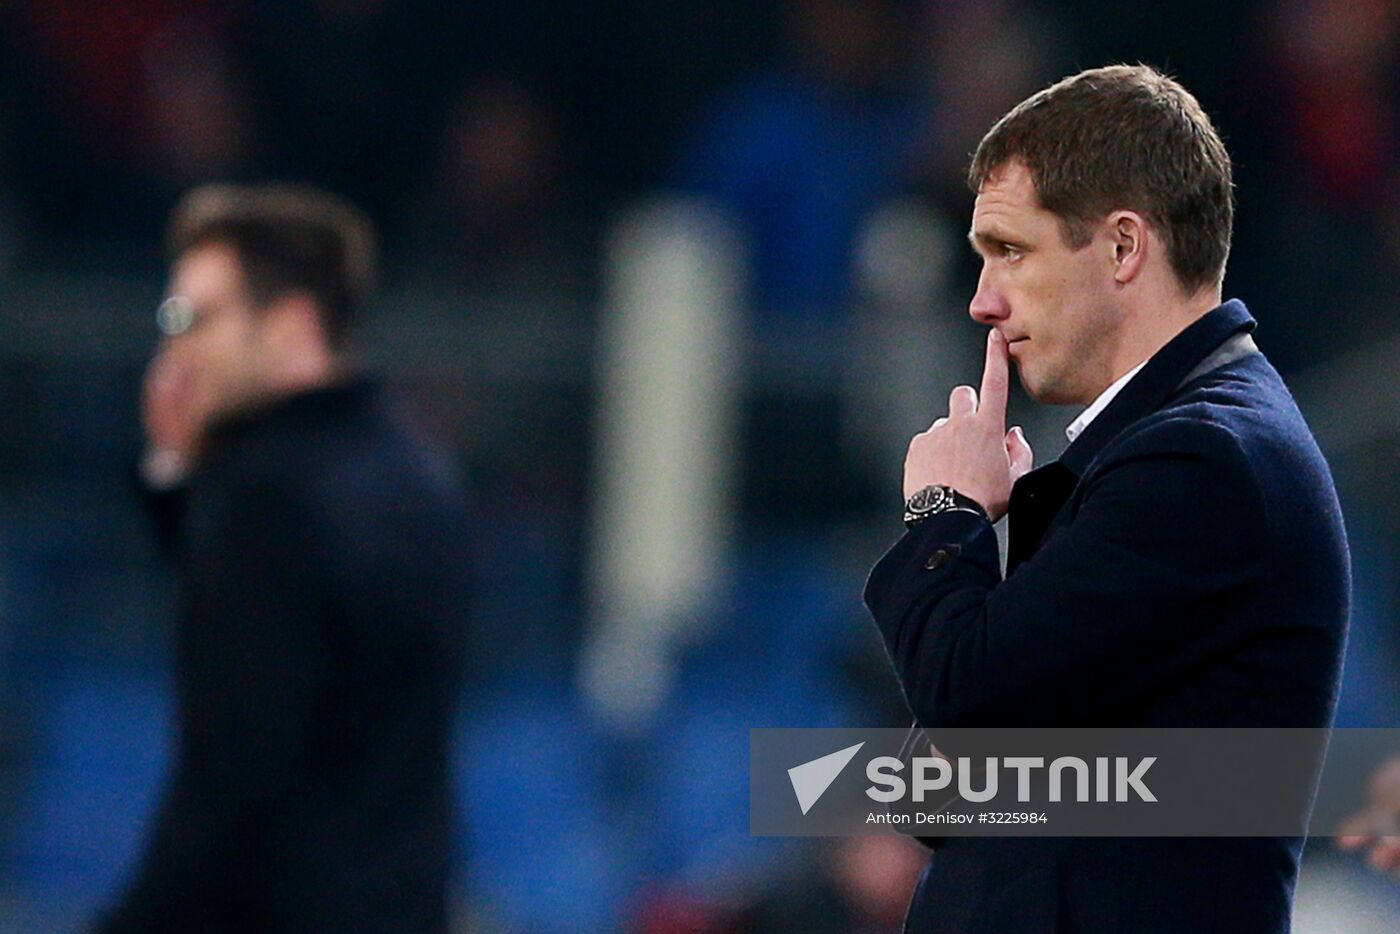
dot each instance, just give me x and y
(932, 500)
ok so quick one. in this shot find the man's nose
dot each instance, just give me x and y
(987, 305)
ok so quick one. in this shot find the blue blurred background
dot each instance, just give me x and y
(679, 280)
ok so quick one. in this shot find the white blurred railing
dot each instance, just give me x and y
(667, 381)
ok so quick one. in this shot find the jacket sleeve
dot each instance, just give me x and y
(250, 664)
(1169, 531)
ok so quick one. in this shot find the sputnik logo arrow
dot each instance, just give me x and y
(810, 780)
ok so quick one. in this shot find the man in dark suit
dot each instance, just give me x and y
(1182, 564)
(320, 542)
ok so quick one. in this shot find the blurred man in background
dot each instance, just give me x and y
(1153, 573)
(320, 545)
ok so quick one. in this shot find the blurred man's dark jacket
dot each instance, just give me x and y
(322, 555)
(1183, 564)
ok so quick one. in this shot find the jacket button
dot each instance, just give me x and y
(937, 559)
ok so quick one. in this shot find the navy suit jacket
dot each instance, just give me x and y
(1182, 564)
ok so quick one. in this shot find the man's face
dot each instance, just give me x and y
(218, 341)
(1053, 304)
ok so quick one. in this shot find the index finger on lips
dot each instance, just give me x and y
(996, 378)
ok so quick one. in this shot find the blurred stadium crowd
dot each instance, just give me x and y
(507, 153)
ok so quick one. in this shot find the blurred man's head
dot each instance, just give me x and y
(1103, 217)
(266, 281)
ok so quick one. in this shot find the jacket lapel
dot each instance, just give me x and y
(1039, 496)
(1035, 500)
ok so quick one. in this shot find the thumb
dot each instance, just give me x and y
(1018, 449)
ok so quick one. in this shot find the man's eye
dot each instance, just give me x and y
(1012, 253)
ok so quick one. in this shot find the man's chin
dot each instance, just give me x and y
(1033, 386)
(1045, 391)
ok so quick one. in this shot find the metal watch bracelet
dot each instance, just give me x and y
(935, 499)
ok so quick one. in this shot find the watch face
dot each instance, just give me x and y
(931, 499)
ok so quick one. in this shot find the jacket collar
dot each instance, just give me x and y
(1158, 380)
(348, 393)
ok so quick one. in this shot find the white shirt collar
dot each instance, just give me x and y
(1076, 427)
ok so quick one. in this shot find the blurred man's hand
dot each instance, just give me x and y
(971, 450)
(1376, 828)
(173, 409)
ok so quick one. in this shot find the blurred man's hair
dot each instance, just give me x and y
(288, 239)
(1124, 137)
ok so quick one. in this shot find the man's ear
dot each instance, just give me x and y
(1128, 233)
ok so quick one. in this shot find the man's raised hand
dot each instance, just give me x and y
(970, 450)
